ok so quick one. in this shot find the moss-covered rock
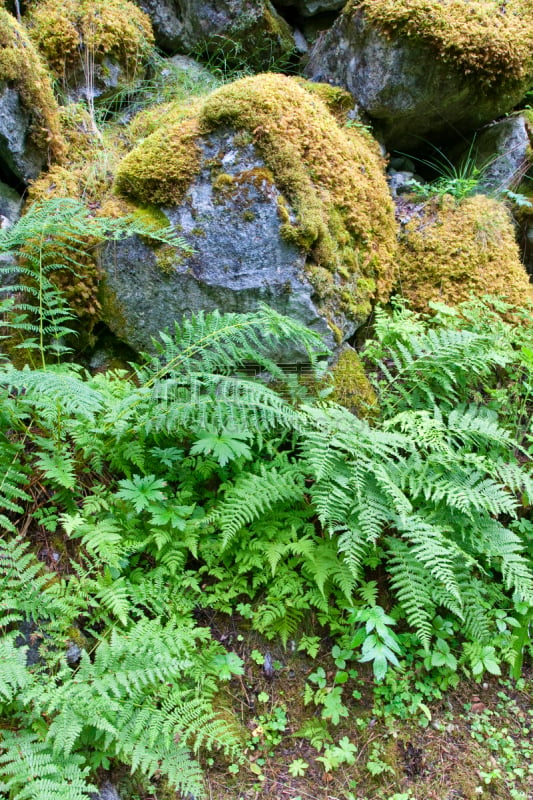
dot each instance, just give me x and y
(429, 67)
(451, 251)
(30, 134)
(91, 45)
(333, 203)
(351, 387)
(489, 39)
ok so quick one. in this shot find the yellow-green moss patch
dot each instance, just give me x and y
(66, 31)
(160, 170)
(493, 40)
(352, 388)
(332, 180)
(21, 66)
(455, 250)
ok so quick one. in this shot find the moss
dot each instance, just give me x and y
(67, 30)
(488, 39)
(161, 169)
(338, 101)
(21, 66)
(352, 388)
(336, 204)
(455, 250)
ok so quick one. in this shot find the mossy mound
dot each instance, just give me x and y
(21, 67)
(456, 250)
(336, 204)
(351, 387)
(75, 33)
(492, 40)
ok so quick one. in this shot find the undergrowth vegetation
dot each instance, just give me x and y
(129, 501)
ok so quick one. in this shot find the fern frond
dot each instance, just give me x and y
(255, 494)
(412, 585)
(29, 770)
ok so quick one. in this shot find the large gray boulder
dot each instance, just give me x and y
(282, 202)
(241, 33)
(240, 257)
(404, 83)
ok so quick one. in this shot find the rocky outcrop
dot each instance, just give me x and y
(240, 34)
(423, 69)
(281, 203)
(92, 48)
(29, 125)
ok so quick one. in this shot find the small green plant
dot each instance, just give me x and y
(334, 755)
(459, 180)
(270, 728)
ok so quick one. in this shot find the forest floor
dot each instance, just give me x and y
(476, 741)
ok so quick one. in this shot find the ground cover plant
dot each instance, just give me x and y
(140, 508)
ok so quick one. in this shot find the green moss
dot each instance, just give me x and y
(71, 33)
(160, 170)
(493, 41)
(336, 204)
(352, 388)
(21, 66)
(338, 101)
(454, 250)
(152, 216)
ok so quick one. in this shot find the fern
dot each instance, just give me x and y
(252, 495)
(29, 770)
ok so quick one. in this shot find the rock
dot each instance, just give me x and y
(73, 655)
(92, 48)
(29, 126)
(10, 205)
(240, 259)
(451, 251)
(30, 636)
(502, 154)
(309, 8)
(235, 34)
(106, 792)
(439, 69)
(401, 181)
(281, 202)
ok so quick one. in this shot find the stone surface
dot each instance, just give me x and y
(240, 259)
(10, 205)
(309, 8)
(106, 792)
(402, 85)
(501, 151)
(20, 159)
(251, 33)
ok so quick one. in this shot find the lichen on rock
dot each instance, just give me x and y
(334, 205)
(452, 251)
